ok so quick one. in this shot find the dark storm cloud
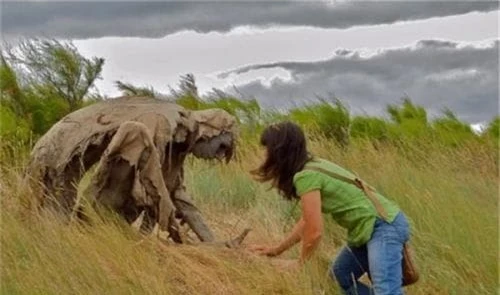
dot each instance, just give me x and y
(71, 19)
(434, 73)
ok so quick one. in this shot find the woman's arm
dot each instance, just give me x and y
(293, 238)
(309, 229)
(313, 223)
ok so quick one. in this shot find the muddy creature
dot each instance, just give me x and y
(139, 145)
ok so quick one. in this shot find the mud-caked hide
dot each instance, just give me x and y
(137, 131)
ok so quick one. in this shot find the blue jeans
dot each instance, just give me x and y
(381, 258)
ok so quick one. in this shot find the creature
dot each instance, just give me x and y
(139, 145)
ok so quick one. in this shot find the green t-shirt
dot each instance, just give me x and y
(347, 204)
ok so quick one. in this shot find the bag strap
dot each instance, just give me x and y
(368, 190)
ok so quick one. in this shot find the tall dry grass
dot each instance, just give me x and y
(449, 195)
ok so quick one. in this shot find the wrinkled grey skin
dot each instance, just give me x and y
(163, 135)
(219, 147)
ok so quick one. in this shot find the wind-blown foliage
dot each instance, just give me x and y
(407, 112)
(493, 129)
(13, 105)
(247, 111)
(331, 119)
(11, 92)
(369, 128)
(187, 87)
(407, 122)
(43, 80)
(450, 130)
(58, 66)
(129, 89)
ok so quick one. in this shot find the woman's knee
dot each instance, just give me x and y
(338, 270)
(348, 266)
(339, 274)
(342, 273)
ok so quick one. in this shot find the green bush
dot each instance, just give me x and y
(13, 127)
(449, 130)
(330, 119)
(493, 128)
(369, 128)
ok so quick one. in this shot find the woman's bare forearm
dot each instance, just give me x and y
(309, 244)
(293, 238)
(313, 223)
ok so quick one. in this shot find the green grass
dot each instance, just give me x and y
(449, 194)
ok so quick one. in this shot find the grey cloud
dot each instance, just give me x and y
(434, 73)
(343, 51)
(437, 44)
(157, 19)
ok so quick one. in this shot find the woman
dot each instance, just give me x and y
(375, 244)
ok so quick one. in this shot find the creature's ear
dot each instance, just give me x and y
(181, 133)
(186, 129)
(213, 122)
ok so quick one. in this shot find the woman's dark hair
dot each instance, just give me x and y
(286, 155)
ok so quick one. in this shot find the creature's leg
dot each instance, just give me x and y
(148, 221)
(190, 214)
(111, 186)
(60, 192)
(129, 179)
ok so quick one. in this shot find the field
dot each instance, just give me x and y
(449, 194)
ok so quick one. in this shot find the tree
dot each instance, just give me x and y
(10, 90)
(58, 67)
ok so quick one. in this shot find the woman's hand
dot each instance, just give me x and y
(264, 250)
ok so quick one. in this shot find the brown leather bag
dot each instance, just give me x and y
(410, 271)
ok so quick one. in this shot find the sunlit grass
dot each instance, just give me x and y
(450, 196)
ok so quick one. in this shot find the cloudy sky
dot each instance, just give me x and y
(368, 54)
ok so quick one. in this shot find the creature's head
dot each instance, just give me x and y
(216, 134)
